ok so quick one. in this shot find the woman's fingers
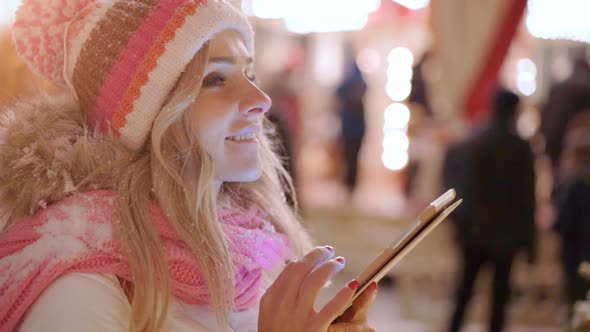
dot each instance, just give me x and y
(347, 327)
(288, 305)
(335, 307)
(358, 311)
(289, 281)
(315, 281)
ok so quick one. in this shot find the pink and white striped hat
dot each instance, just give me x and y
(121, 58)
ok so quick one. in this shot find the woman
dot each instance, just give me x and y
(148, 197)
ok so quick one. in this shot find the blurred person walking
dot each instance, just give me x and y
(566, 99)
(350, 94)
(572, 197)
(493, 171)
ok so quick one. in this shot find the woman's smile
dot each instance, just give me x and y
(248, 134)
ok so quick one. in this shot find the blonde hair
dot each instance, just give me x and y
(174, 169)
(185, 191)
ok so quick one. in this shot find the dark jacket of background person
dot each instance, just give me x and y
(493, 171)
(566, 99)
(573, 221)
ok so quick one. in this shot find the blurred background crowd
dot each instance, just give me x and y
(383, 104)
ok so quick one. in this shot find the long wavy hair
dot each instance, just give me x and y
(173, 169)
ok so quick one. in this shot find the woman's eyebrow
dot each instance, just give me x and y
(229, 60)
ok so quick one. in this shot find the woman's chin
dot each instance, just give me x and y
(250, 175)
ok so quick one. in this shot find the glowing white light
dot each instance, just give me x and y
(395, 141)
(394, 161)
(400, 57)
(305, 16)
(526, 85)
(524, 76)
(399, 73)
(564, 19)
(397, 116)
(9, 8)
(368, 60)
(318, 23)
(372, 5)
(526, 79)
(272, 9)
(527, 65)
(413, 4)
(398, 90)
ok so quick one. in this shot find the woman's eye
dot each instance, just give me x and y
(214, 79)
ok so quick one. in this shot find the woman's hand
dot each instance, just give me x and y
(288, 304)
(354, 318)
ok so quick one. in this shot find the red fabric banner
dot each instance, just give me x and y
(477, 98)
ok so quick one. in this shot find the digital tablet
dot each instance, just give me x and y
(428, 219)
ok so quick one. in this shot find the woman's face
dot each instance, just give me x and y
(227, 114)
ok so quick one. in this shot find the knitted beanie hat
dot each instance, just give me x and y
(121, 58)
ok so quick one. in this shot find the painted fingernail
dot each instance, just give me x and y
(330, 248)
(340, 260)
(376, 285)
(353, 284)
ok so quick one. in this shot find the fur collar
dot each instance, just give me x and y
(47, 151)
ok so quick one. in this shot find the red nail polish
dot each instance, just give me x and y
(340, 260)
(376, 285)
(353, 284)
(330, 248)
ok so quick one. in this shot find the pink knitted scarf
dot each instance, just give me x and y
(79, 234)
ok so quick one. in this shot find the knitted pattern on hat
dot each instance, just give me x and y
(39, 34)
(122, 57)
(80, 234)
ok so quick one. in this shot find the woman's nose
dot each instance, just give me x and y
(255, 102)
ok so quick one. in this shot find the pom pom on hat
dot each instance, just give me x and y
(39, 31)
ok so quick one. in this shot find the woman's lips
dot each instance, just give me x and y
(245, 135)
